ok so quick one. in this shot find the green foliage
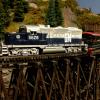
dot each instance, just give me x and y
(26, 6)
(6, 7)
(19, 11)
(21, 7)
(59, 17)
(6, 4)
(54, 15)
(51, 17)
(11, 3)
(2, 20)
(12, 10)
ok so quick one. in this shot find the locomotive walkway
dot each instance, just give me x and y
(51, 77)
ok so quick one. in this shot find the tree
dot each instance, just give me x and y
(59, 17)
(54, 15)
(26, 6)
(19, 11)
(6, 7)
(6, 3)
(2, 20)
(11, 3)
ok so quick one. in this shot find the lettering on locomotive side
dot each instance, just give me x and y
(31, 37)
(68, 37)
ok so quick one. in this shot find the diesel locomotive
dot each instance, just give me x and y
(39, 40)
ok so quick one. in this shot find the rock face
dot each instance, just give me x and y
(29, 0)
(33, 5)
(6, 76)
(69, 17)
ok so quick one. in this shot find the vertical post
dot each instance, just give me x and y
(97, 78)
(66, 85)
(52, 80)
(90, 75)
(3, 95)
(39, 84)
(77, 80)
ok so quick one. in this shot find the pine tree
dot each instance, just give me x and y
(54, 16)
(26, 6)
(11, 3)
(6, 7)
(19, 11)
(6, 3)
(2, 20)
(59, 17)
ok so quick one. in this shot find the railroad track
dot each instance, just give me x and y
(22, 59)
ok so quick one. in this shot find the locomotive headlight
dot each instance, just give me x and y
(18, 36)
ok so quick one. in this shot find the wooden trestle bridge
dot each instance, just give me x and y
(51, 77)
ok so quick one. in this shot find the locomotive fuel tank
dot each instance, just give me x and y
(54, 49)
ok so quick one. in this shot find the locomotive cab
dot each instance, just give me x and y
(22, 29)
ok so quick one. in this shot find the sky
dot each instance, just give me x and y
(93, 4)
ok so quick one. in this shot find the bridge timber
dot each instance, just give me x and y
(51, 77)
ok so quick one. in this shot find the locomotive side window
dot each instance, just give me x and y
(17, 36)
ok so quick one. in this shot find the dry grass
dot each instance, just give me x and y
(34, 17)
(13, 27)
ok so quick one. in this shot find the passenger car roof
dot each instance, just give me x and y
(92, 33)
